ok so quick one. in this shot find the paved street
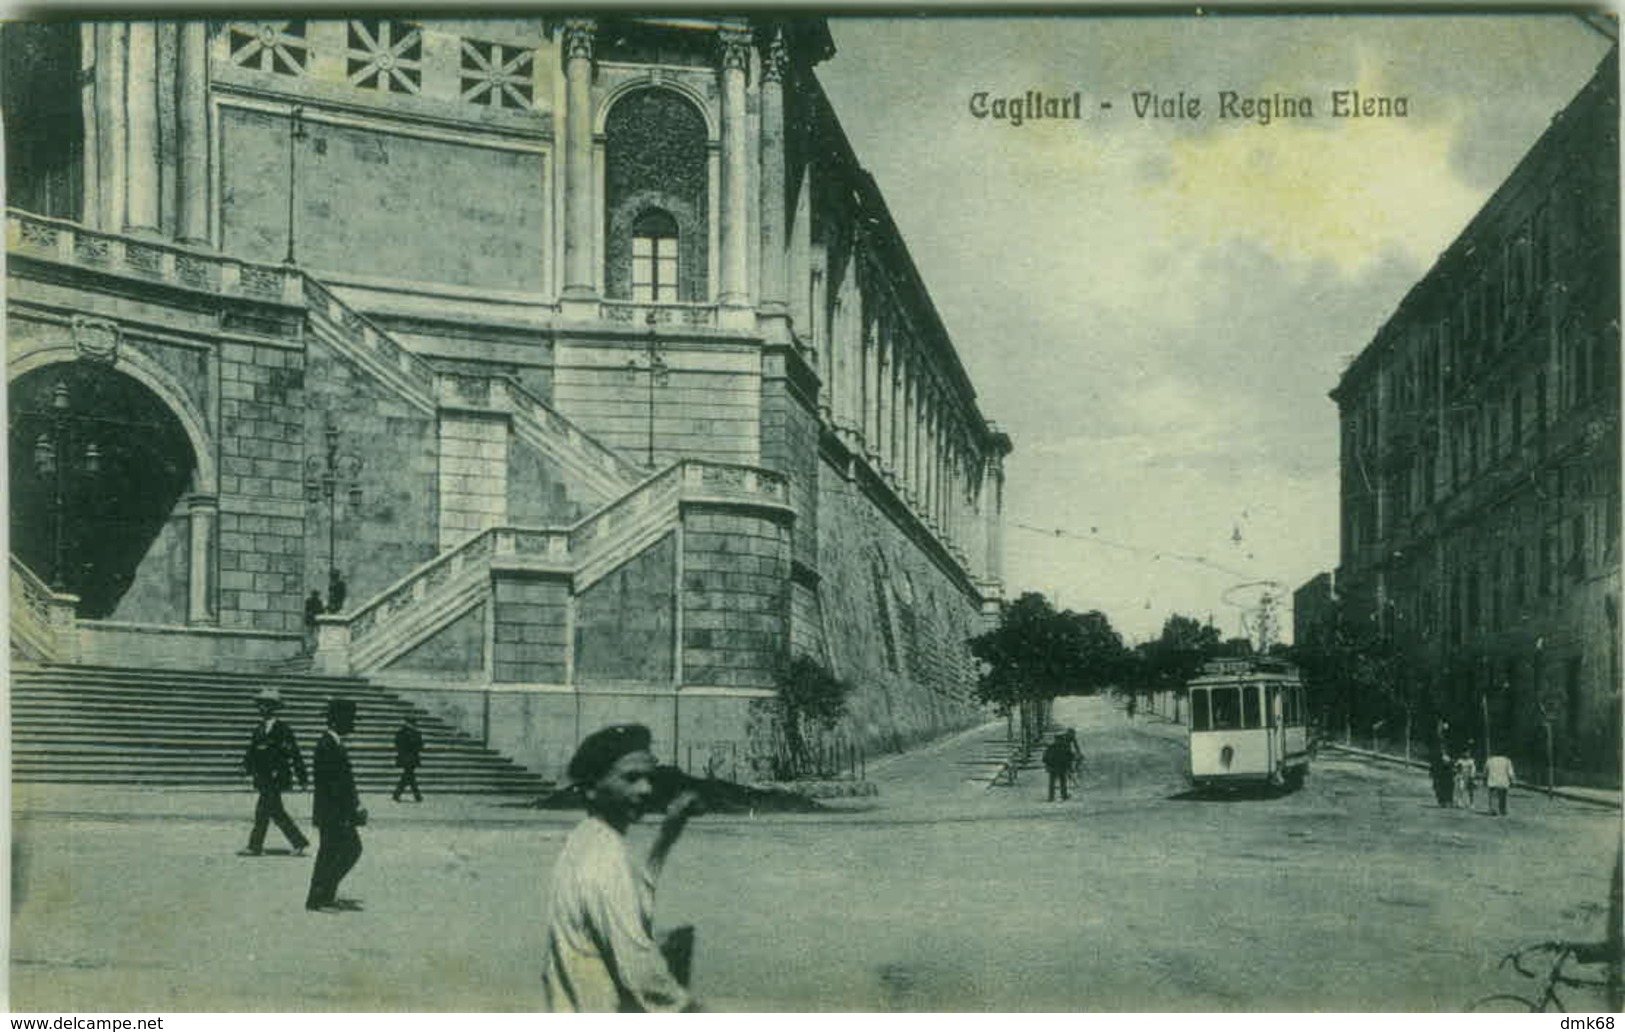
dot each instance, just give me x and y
(1355, 894)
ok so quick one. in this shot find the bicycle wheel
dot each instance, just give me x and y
(1503, 1003)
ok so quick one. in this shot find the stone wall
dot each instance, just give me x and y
(624, 622)
(385, 204)
(892, 622)
(735, 597)
(530, 629)
(394, 528)
(707, 403)
(456, 652)
(268, 551)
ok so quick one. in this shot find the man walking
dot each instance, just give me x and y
(337, 811)
(408, 753)
(601, 954)
(1498, 777)
(1062, 756)
(273, 760)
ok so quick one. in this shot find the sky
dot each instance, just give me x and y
(1155, 309)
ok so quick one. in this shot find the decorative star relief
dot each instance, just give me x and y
(385, 55)
(497, 75)
(278, 46)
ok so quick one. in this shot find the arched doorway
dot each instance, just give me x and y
(98, 465)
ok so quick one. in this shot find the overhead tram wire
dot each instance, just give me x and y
(1153, 553)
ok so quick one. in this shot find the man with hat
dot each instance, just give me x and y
(601, 953)
(337, 812)
(272, 760)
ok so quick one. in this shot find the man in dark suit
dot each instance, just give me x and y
(408, 754)
(337, 812)
(272, 760)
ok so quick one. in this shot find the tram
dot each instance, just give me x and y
(1248, 724)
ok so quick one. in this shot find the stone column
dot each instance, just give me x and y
(735, 52)
(579, 186)
(141, 133)
(192, 133)
(866, 383)
(878, 448)
(911, 432)
(894, 437)
(110, 125)
(202, 512)
(774, 270)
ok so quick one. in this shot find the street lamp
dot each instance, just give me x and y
(53, 463)
(296, 132)
(659, 373)
(323, 475)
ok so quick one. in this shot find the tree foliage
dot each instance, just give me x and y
(1037, 652)
(810, 698)
(1176, 656)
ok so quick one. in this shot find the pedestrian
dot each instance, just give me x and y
(337, 591)
(601, 954)
(313, 609)
(273, 761)
(1466, 778)
(1498, 777)
(1061, 757)
(408, 754)
(338, 813)
(1443, 773)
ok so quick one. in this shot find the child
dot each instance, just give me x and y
(1466, 778)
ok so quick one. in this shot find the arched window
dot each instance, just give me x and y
(654, 256)
(655, 198)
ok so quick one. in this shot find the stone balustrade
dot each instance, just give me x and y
(552, 432)
(388, 624)
(43, 621)
(174, 265)
(360, 333)
(635, 314)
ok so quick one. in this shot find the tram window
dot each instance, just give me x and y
(1272, 707)
(1249, 706)
(1290, 701)
(1201, 717)
(1226, 709)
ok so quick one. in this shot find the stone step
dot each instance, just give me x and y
(118, 725)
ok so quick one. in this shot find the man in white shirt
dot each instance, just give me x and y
(601, 954)
(1498, 778)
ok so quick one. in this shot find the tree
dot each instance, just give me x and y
(1177, 655)
(1037, 653)
(810, 699)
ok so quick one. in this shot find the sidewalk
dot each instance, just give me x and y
(1165, 727)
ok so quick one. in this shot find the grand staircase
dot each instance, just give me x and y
(139, 727)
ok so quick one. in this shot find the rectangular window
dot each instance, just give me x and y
(1226, 709)
(1250, 717)
(1201, 715)
(654, 268)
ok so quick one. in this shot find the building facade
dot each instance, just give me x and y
(583, 352)
(1480, 463)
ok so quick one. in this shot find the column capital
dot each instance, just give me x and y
(579, 35)
(775, 57)
(733, 49)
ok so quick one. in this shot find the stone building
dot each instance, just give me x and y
(583, 351)
(1480, 470)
